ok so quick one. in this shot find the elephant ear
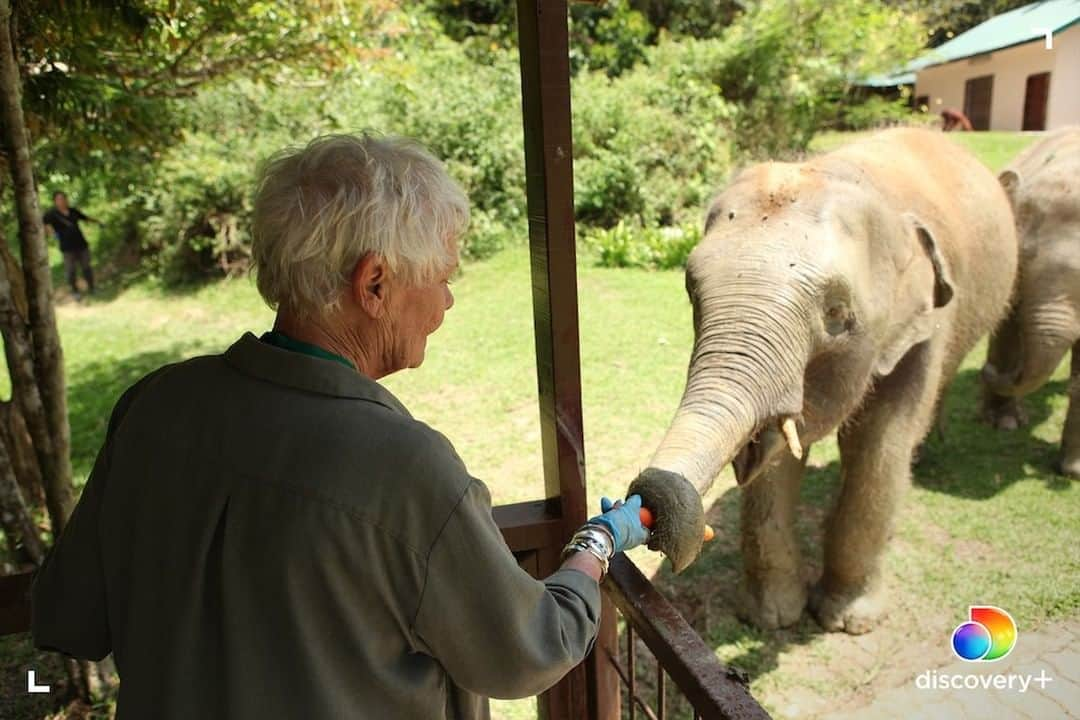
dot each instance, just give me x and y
(1010, 182)
(930, 294)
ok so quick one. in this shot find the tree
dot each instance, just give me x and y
(110, 75)
(788, 65)
(945, 19)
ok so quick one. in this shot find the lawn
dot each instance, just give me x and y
(986, 520)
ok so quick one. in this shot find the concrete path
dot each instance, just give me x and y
(1002, 690)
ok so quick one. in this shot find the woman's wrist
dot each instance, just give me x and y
(584, 563)
(592, 539)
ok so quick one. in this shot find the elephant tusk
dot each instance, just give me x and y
(791, 434)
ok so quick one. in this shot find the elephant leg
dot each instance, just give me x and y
(1070, 434)
(1003, 355)
(772, 593)
(876, 448)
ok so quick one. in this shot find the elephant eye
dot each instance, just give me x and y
(838, 319)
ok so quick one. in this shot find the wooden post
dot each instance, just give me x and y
(591, 690)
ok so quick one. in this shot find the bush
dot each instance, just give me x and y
(656, 248)
(876, 112)
(787, 65)
(650, 146)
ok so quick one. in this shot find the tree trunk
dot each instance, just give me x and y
(21, 451)
(15, 518)
(24, 390)
(52, 442)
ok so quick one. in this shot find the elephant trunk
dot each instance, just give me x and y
(753, 341)
(1046, 333)
(746, 374)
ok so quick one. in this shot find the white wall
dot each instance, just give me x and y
(1064, 105)
(944, 84)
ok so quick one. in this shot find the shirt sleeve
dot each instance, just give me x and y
(497, 631)
(68, 596)
(77, 214)
(68, 608)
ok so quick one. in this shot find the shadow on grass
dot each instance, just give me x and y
(970, 459)
(93, 390)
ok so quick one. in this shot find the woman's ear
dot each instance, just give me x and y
(368, 285)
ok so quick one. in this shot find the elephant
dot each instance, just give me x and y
(1043, 186)
(841, 292)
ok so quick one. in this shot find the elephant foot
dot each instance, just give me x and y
(852, 612)
(771, 604)
(1004, 414)
(1070, 467)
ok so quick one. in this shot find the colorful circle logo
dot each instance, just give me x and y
(989, 635)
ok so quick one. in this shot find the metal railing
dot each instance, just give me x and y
(712, 689)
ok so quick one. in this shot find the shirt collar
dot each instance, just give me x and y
(281, 340)
(305, 372)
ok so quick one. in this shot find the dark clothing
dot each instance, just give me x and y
(66, 228)
(266, 534)
(75, 260)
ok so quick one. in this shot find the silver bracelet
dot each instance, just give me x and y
(575, 547)
(594, 539)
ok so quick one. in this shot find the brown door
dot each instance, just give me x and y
(1038, 88)
(977, 94)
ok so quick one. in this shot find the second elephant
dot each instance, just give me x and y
(842, 292)
(1043, 185)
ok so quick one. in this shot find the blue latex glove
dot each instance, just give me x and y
(623, 522)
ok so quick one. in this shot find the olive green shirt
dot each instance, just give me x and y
(267, 535)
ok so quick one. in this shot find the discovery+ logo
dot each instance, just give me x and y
(989, 634)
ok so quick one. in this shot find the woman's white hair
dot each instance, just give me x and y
(319, 209)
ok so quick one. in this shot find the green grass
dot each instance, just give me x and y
(994, 148)
(986, 520)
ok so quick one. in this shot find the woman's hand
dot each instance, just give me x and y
(622, 519)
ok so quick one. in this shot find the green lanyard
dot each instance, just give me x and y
(285, 342)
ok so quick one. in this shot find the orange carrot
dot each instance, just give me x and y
(648, 520)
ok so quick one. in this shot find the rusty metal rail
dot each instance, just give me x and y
(713, 690)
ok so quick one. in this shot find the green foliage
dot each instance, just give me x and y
(787, 64)
(611, 37)
(107, 76)
(649, 149)
(650, 146)
(875, 112)
(696, 18)
(654, 248)
(945, 19)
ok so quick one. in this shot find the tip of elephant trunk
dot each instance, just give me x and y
(679, 526)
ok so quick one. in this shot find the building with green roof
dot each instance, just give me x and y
(1017, 71)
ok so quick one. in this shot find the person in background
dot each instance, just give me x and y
(953, 119)
(62, 221)
(268, 533)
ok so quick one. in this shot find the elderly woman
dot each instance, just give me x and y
(268, 533)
